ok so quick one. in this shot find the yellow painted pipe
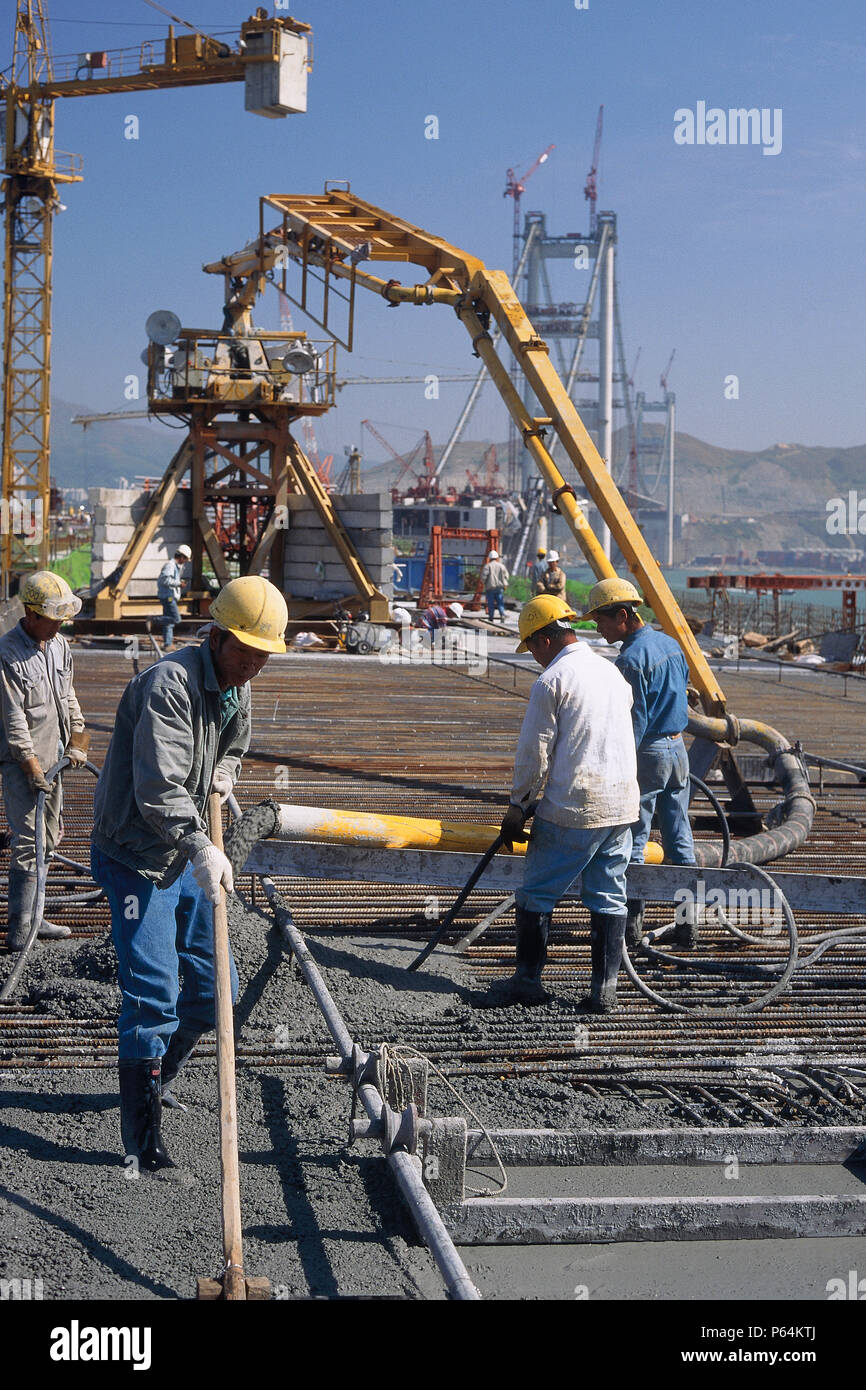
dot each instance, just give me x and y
(325, 826)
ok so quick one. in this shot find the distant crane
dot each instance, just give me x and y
(590, 190)
(515, 188)
(663, 379)
(268, 48)
(322, 466)
(404, 462)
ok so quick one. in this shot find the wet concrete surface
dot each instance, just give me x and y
(321, 1219)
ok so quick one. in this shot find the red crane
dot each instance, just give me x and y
(404, 461)
(515, 188)
(590, 190)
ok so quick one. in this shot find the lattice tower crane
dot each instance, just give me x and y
(590, 190)
(271, 57)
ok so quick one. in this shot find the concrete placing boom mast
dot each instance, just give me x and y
(334, 231)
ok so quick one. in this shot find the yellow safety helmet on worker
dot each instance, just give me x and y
(539, 613)
(49, 595)
(611, 593)
(254, 611)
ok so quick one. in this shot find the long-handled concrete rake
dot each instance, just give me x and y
(232, 1283)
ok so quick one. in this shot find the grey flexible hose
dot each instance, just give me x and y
(799, 804)
(41, 878)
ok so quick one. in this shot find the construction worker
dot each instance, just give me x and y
(576, 760)
(169, 587)
(181, 729)
(494, 577)
(41, 721)
(537, 570)
(655, 668)
(437, 616)
(552, 581)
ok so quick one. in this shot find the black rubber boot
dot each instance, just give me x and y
(141, 1112)
(685, 933)
(524, 986)
(177, 1054)
(606, 936)
(634, 923)
(21, 902)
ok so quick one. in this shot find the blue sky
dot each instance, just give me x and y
(747, 264)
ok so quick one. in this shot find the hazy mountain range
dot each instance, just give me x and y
(786, 485)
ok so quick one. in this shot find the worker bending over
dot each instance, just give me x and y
(576, 753)
(655, 668)
(552, 581)
(182, 727)
(41, 722)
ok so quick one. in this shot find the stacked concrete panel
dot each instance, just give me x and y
(313, 568)
(116, 512)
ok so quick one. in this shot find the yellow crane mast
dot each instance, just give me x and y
(272, 58)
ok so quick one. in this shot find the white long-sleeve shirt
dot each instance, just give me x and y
(577, 744)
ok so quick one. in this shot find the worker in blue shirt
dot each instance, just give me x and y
(655, 668)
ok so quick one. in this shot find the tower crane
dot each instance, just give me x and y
(271, 58)
(515, 188)
(663, 379)
(590, 190)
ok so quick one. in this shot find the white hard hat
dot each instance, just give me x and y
(552, 555)
(456, 609)
(185, 551)
(401, 615)
(494, 555)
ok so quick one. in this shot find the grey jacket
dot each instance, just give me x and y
(150, 806)
(495, 575)
(38, 708)
(170, 581)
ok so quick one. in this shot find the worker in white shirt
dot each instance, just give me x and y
(576, 759)
(169, 587)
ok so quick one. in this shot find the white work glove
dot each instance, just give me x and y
(223, 785)
(211, 868)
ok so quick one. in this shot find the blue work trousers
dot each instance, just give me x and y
(663, 775)
(165, 967)
(495, 600)
(556, 854)
(170, 619)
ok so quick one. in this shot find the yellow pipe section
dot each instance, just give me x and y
(322, 825)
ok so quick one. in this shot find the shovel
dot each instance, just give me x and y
(232, 1284)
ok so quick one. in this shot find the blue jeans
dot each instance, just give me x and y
(159, 934)
(663, 774)
(170, 619)
(556, 854)
(495, 600)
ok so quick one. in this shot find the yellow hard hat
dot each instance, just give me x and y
(536, 614)
(610, 592)
(49, 595)
(253, 611)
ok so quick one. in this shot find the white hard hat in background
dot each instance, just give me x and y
(456, 609)
(494, 555)
(185, 551)
(552, 555)
(401, 615)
